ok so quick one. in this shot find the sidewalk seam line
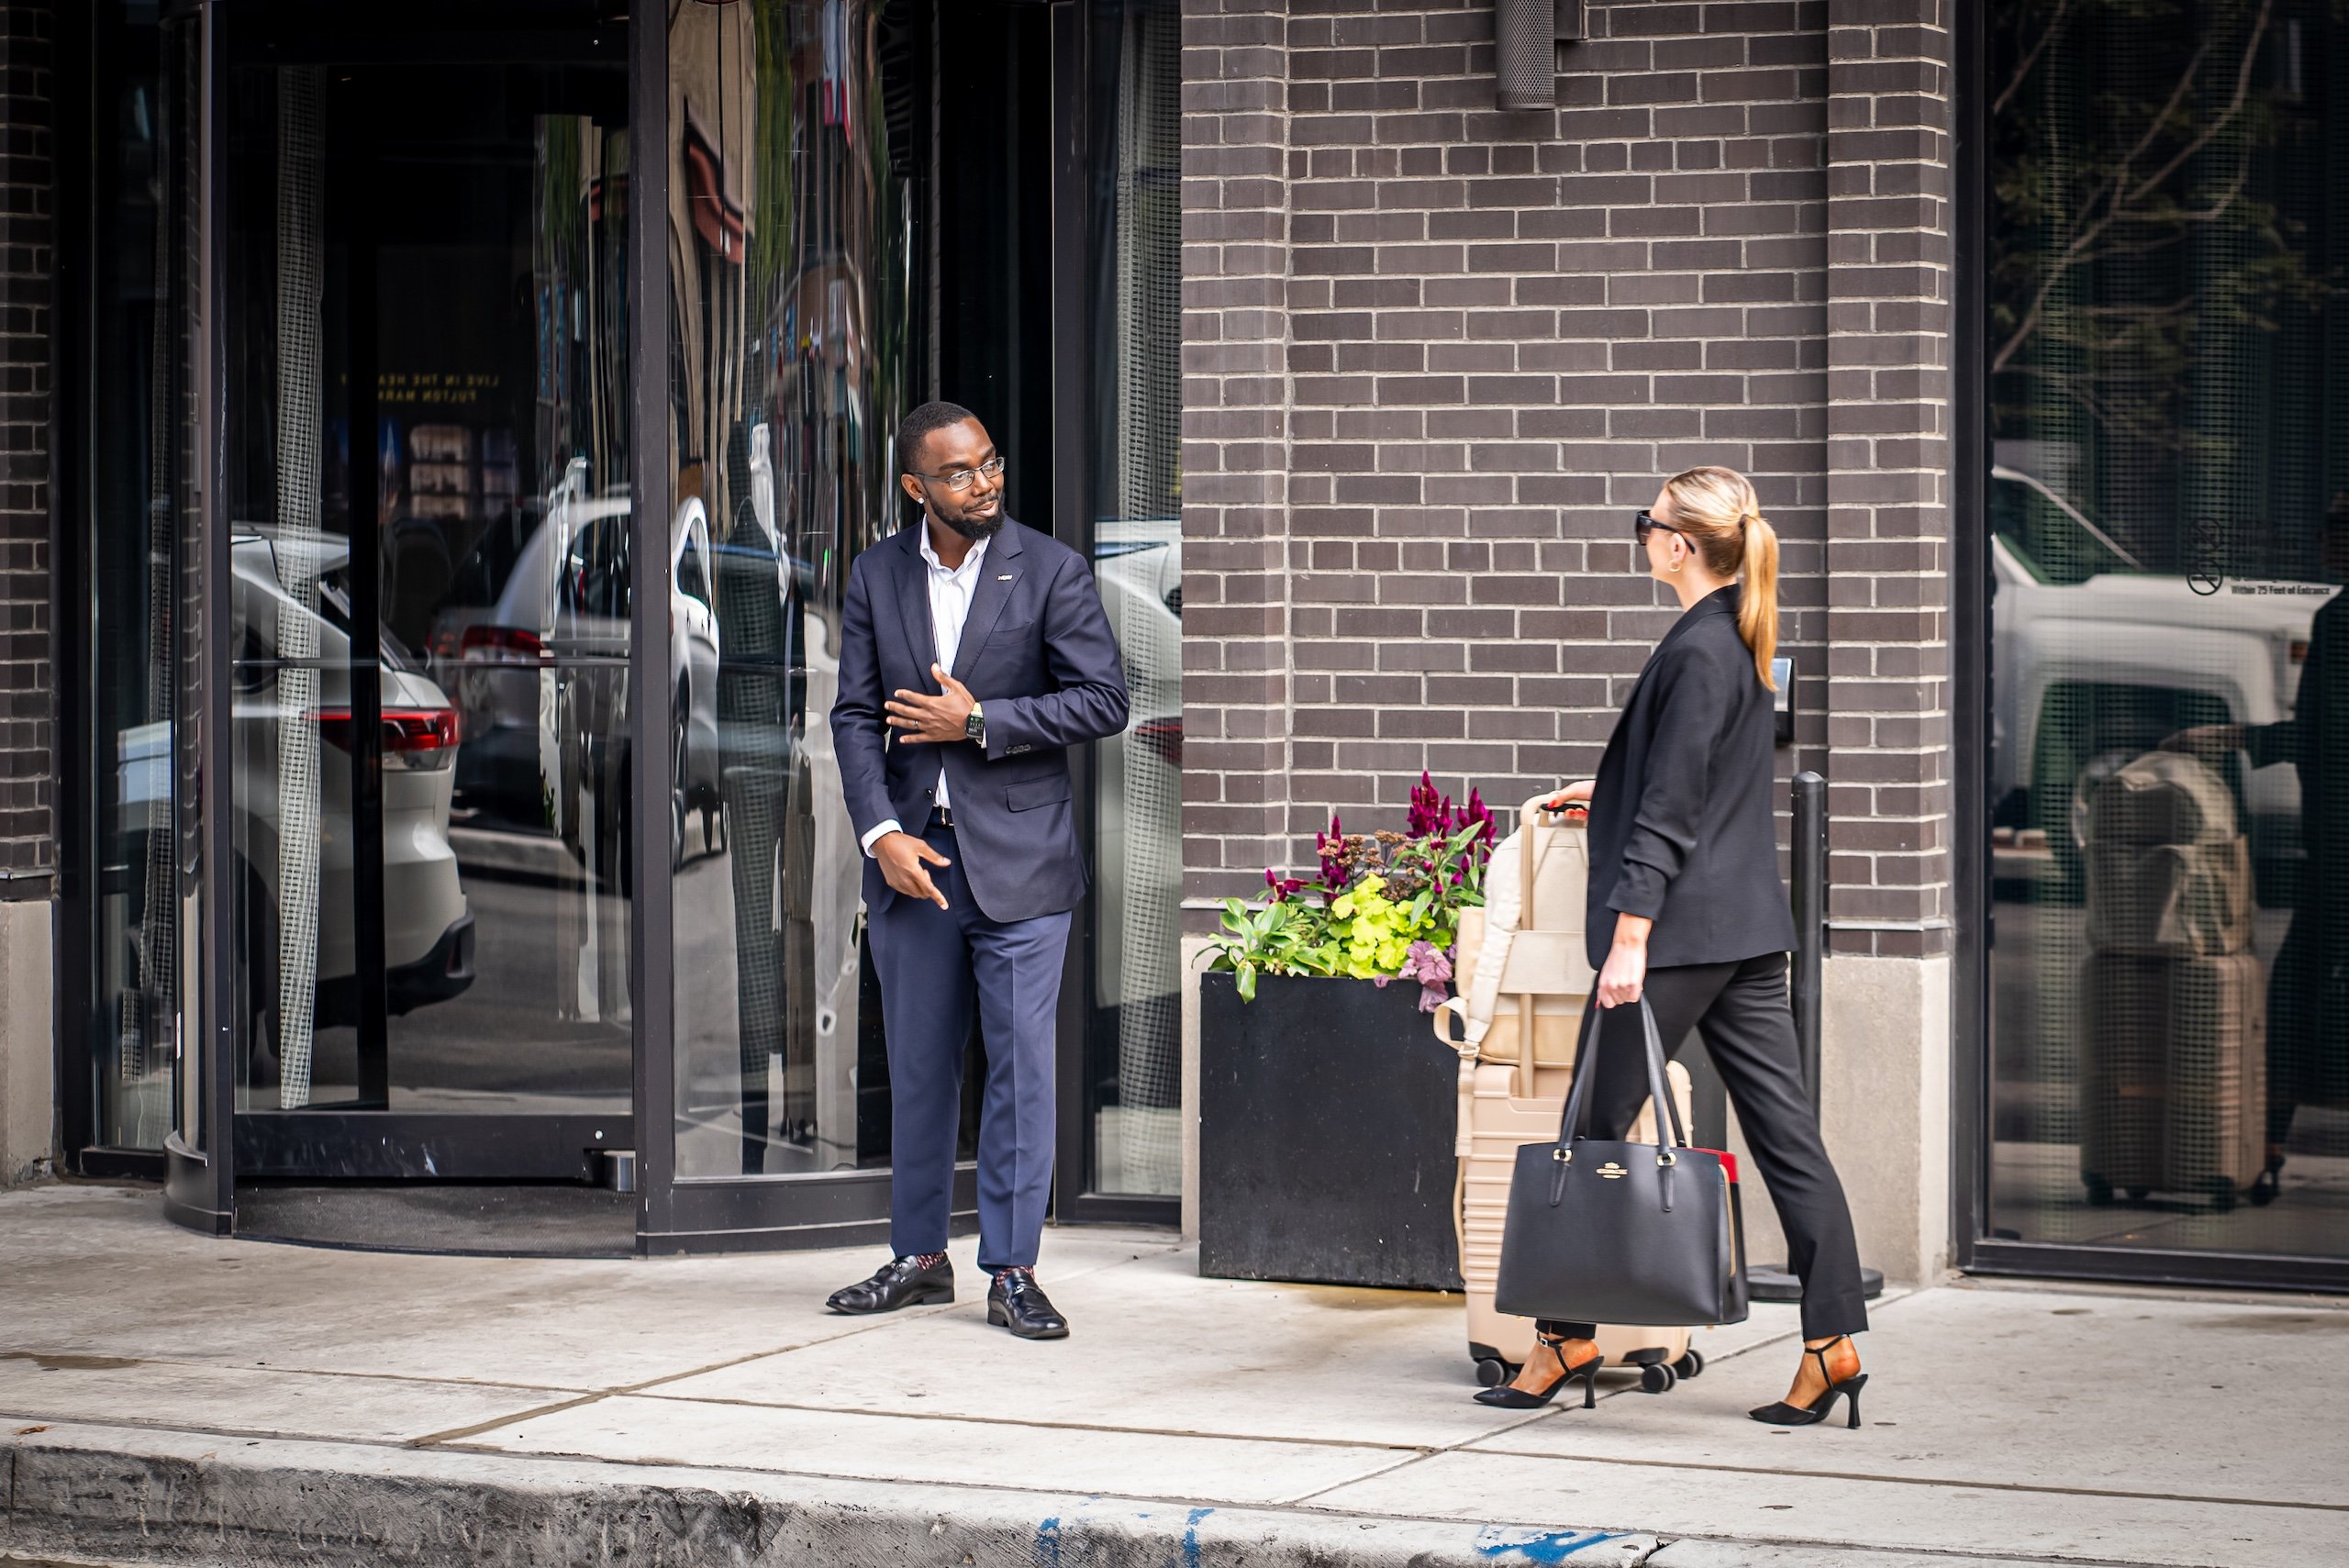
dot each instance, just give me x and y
(2023, 1486)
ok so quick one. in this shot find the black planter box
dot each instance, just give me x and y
(1326, 1123)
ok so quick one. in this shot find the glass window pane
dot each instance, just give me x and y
(2169, 334)
(469, 226)
(1134, 1034)
(790, 245)
(141, 489)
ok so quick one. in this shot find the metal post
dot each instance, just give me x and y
(1810, 918)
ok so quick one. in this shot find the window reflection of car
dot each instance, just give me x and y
(428, 927)
(2096, 657)
(1140, 570)
(564, 608)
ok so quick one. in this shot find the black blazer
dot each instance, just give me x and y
(1681, 827)
(1037, 654)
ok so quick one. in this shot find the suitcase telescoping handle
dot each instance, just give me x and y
(1534, 813)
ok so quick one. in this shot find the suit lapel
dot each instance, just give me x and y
(913, 603)
(998, 575)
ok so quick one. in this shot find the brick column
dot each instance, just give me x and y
(1885, 1090)
(28, 827)
(1889, 318)
(1236, 435)
(27, 707)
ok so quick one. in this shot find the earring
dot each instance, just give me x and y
(1677, 564)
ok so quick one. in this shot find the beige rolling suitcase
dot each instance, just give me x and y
(2173, 1093)
(1522, 976)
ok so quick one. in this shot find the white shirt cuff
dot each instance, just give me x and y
(881, 831)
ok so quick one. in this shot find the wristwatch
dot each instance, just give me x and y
(974, 728)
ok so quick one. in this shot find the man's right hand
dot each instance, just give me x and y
(903, 860)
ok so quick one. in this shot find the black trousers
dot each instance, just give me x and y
(1740, 1011)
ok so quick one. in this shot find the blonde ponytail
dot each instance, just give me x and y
(1757, 603)
(1719, 514)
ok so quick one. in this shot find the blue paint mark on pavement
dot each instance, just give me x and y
(1536, 1546)
(1048, 1544)
(1191, 1537)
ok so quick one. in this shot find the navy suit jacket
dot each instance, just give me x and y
(1037, 654)
(1681, 823)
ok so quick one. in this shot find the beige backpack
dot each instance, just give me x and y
(1519, 966)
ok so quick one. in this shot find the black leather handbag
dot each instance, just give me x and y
(1604, 1231)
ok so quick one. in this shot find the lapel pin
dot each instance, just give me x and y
(1005, 578)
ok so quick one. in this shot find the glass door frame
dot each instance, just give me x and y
(1972, 1058)
(674, 1215)
(1072, 514)
(201, 1172)
(199, 1184)
(382, 1143)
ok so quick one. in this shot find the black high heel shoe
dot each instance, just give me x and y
(1507, 1398)
(1785, 1414)
(2265, 1186)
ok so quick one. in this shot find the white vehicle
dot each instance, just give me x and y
(568, 597)
(1140, 857)
(2088, 673)
(428, 927)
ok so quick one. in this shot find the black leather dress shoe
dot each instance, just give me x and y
(1015, 1301)
(901, 1282)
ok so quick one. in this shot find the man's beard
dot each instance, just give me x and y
(976, 528)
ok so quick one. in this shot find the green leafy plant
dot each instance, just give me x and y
(1387, 906)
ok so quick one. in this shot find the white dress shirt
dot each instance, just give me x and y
(951, 592)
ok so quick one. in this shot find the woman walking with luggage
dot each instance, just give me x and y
(1686, 908)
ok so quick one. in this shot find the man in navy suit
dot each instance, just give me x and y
(973, 653)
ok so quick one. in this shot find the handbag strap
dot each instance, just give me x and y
(1668, 1130)
(1660, 1079)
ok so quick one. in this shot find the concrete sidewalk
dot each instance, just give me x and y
(169, 1398)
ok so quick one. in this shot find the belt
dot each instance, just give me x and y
(942, 817)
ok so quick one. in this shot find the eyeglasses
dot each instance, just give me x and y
(1644, 525)
(963, 478)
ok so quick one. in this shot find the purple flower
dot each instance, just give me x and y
(1432, 997)
(1331, 848)
(1427, 963)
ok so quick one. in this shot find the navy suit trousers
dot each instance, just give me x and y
(935, 965)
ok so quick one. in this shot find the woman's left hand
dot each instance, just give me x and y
(1625, 975)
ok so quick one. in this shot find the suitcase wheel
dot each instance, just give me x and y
(1658, 1378)
(1491, 1371)
(1690, 1364)
(2100, 1190)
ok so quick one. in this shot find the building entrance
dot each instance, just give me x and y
(425, 423)
(486, 410)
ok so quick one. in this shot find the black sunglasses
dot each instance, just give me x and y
(1644, 525)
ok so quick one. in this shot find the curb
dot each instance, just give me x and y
(155, 1499)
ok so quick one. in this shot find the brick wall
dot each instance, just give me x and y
(1889, 294)
(1437, 355)
(27, 831)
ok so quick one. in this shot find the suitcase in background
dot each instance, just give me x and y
(2173, 1087)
